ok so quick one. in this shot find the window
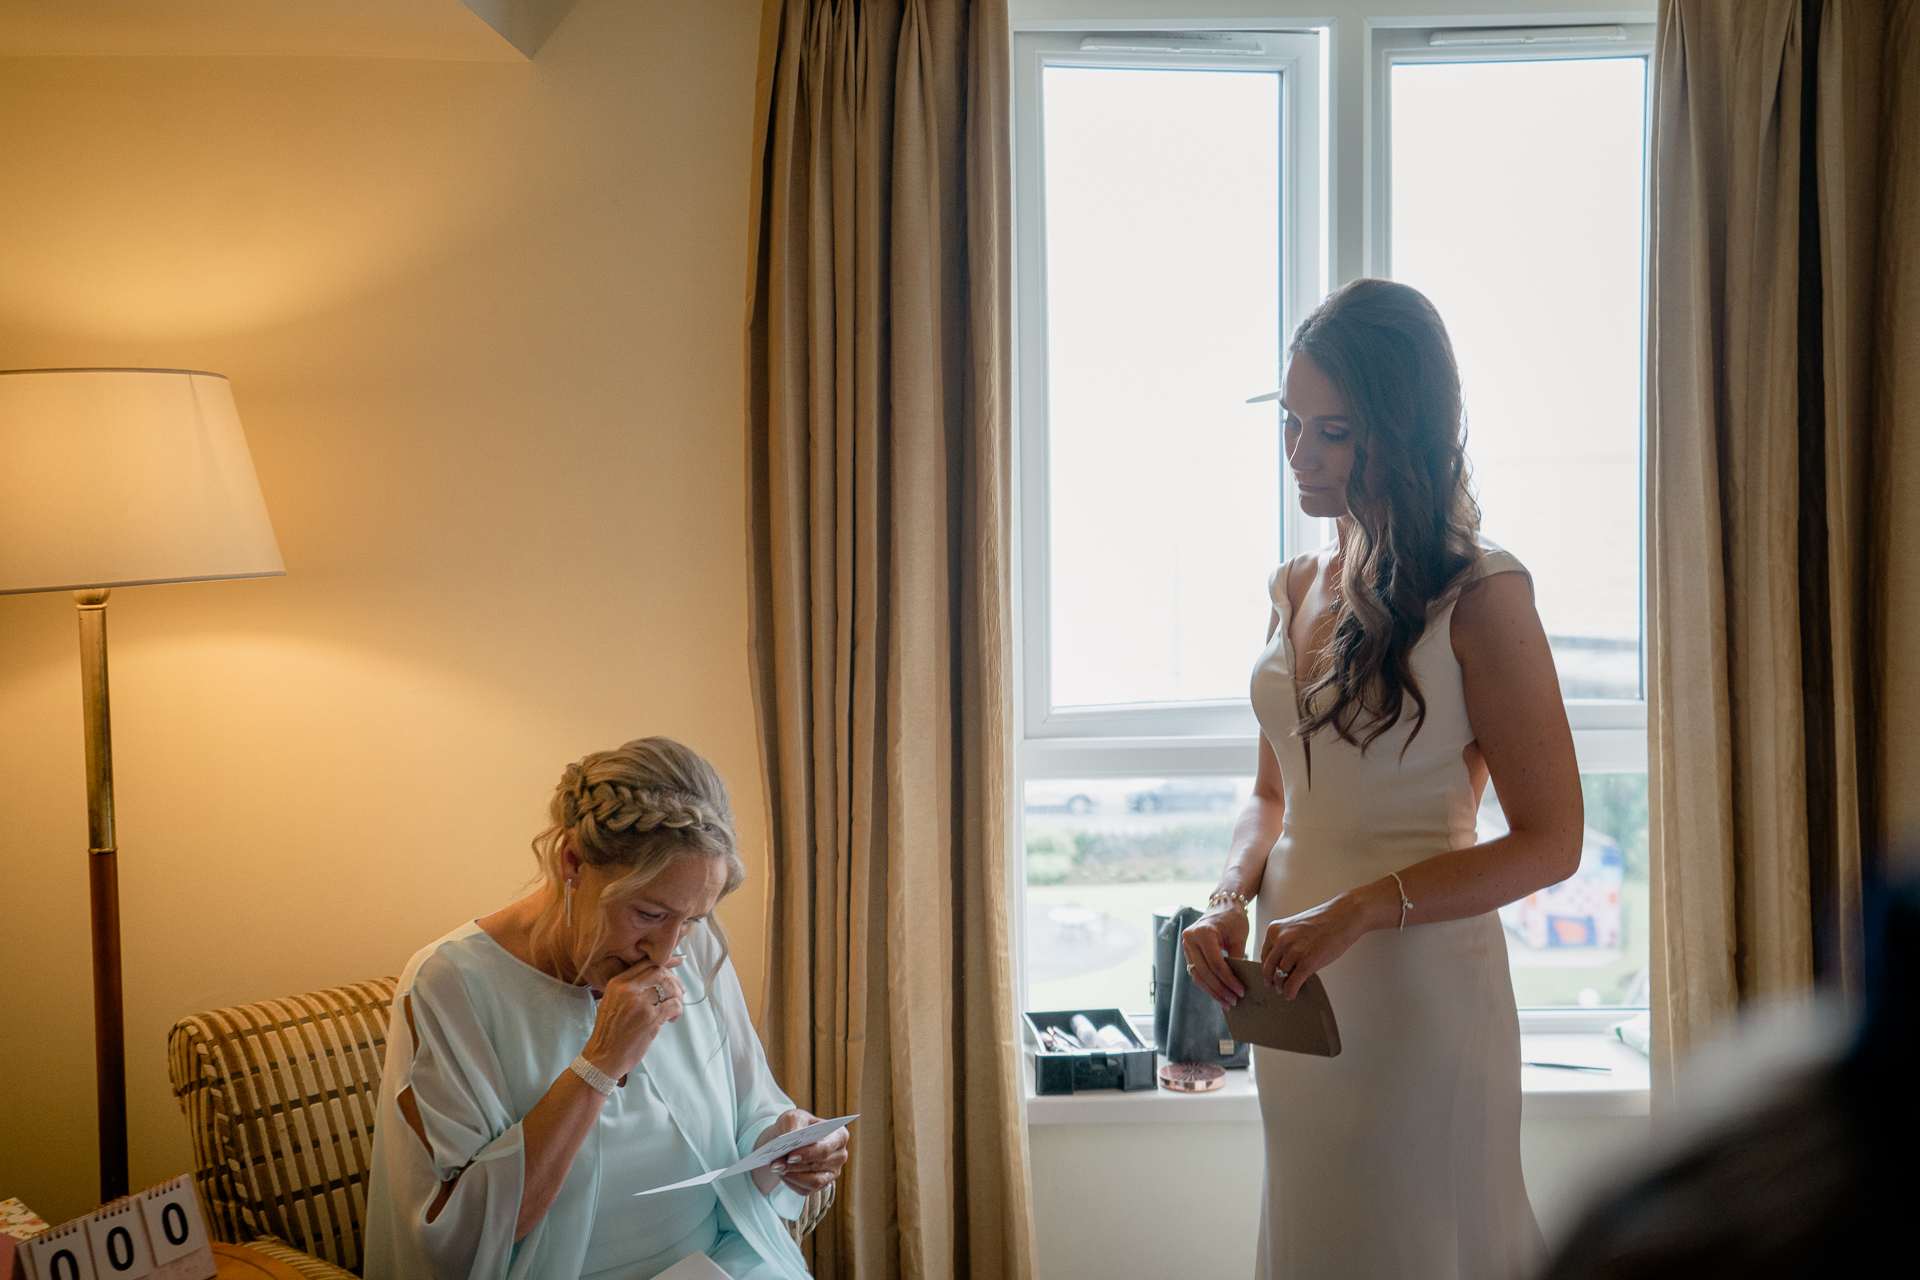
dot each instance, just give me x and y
(1514, 201)
(1174, 225)
(1103, 855)
(1511, 190)
(1169, 238)
(1163, 298)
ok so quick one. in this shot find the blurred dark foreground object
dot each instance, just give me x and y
(1819, 1179)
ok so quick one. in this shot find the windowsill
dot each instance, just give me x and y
(1545, 1092)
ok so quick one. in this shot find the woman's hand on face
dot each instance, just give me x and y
(1298, 947)
(1207, 943)
(637, 1003)
(807, 1169)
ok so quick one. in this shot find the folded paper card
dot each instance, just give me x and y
(695, 1266)
(763, 1155)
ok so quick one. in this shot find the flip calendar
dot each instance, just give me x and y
(156, 1234)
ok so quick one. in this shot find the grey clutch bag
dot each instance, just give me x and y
(1196, 1025)
(1264, 1017)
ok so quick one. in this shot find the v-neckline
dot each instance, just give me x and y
(1286, 630)
(1286, 625)
(1293, 667)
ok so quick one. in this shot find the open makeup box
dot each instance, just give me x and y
(1081, 1069)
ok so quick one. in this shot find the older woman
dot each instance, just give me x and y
(587, 1042)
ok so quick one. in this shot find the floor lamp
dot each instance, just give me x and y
(119, 478)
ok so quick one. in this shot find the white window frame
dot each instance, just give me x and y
(1322, 237)
(1609, 735)
(1155, 739)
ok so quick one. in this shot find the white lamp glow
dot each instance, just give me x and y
(119, 477)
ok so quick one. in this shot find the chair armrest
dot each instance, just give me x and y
(301, 1264)
(812, 1212)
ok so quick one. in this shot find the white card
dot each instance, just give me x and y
(119, 1239)
(172, 1214)
(695, 1266)
(763, 1155)
(60, 1254)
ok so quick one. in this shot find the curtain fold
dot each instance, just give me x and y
(1774, 558)
(1892, 336)
(879, 465)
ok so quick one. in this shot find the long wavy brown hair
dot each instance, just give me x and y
(1413, 516)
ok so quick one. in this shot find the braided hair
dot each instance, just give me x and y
(629, 813)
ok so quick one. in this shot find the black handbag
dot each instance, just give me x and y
(1194, 1026)
(1166, 953)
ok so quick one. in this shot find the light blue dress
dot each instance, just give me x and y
(489, 1036)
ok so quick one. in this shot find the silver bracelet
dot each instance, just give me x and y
(1405, 906)
(597, 1080)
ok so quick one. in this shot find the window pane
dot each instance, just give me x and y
(1584, 940)
(1163, 316)
(1517, 208)
(1103, 854)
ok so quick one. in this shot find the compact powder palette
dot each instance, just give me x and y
(1192, 1077)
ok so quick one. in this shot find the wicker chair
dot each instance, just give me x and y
(280, 1099)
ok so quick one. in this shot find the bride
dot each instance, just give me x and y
(1405, 664)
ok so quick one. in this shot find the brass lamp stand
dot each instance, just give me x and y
(103, 884)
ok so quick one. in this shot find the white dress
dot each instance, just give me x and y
(1400, 1158)
(489, 1035)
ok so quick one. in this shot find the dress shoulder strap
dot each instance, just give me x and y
(1277, 586)
(1494, 558)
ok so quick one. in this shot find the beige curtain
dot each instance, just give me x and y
(1780, 536)
(880, 474)
(1891, 340)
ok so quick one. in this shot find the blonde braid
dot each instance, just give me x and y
(617, 808)
(630, 813)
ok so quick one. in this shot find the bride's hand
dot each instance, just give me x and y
(1300, 946)
(1207, 942)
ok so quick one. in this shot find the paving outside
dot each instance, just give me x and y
(1126, 915)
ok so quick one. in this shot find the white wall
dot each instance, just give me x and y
(484, 322)
(1174, 1201)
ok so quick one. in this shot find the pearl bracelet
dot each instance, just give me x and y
(597, 1080)
(1223, 897)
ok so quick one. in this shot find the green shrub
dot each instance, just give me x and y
(1192, 851)
(1050, 857)
(1617, 806)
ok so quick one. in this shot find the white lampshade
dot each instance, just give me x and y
(118, 477)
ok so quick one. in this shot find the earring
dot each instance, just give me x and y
(567, 901)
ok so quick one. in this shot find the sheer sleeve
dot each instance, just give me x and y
(450, 1164)
(758, 1101)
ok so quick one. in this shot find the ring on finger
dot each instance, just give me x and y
(659, 993)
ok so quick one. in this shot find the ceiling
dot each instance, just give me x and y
(473, 31)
